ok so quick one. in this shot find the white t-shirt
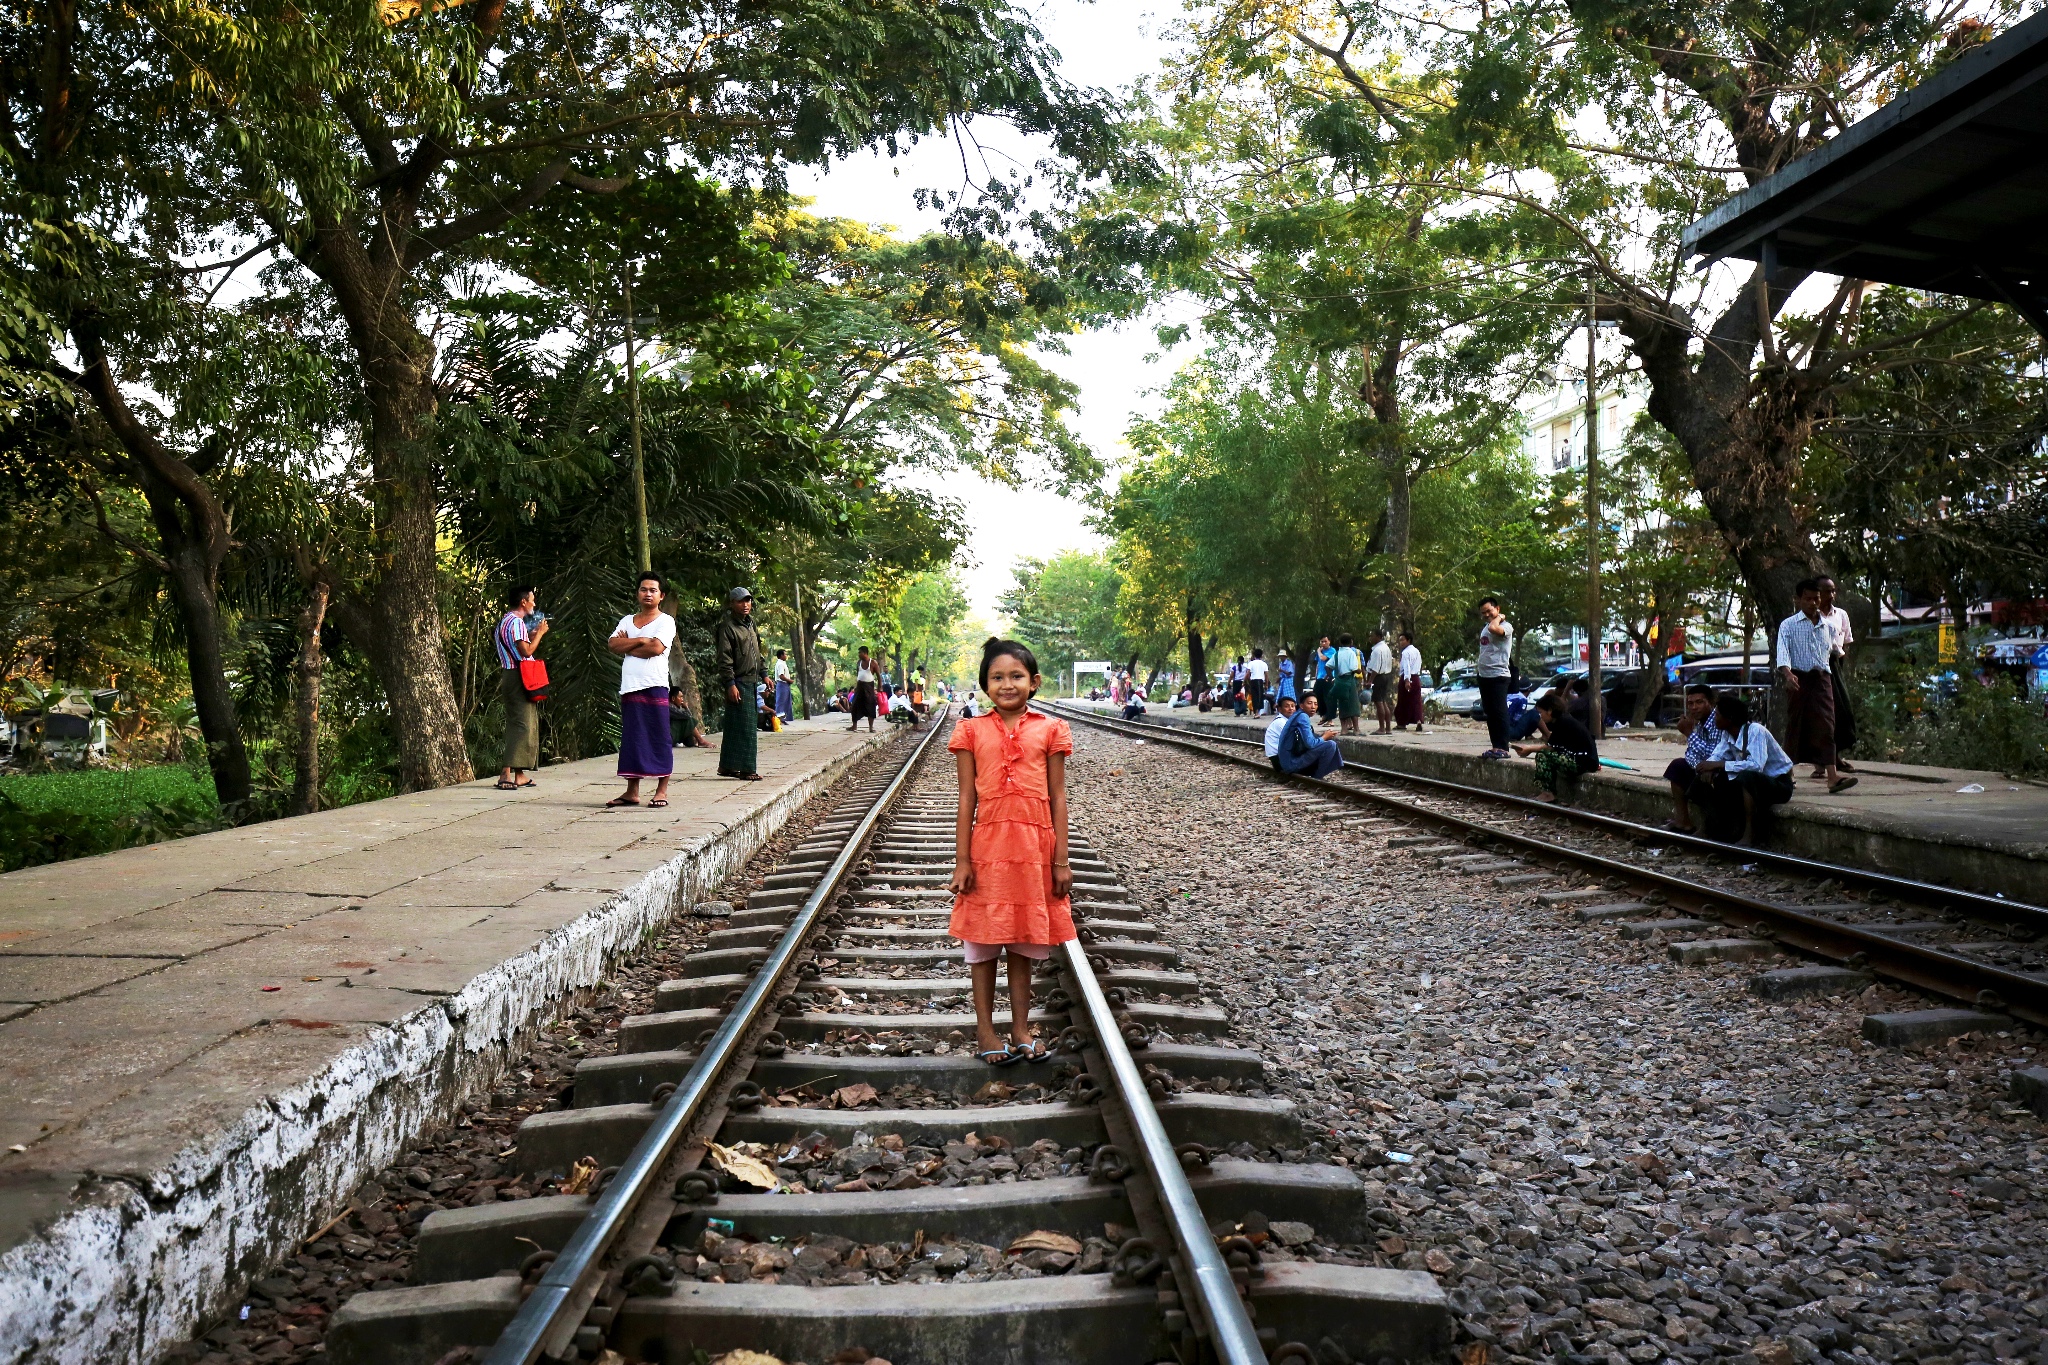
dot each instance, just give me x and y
(1839, 627)
(635, 672)
(1411, 662)
(782, 670)
(1382, 660)
(1496, 652)
(1256, 670)
(1273, 732)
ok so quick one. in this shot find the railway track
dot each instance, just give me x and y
(1702, 897)
(797, 1153)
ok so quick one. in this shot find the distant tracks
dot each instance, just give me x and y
(1975, 949)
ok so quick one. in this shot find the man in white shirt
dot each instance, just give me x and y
(1274, 730)
(1804, 660)
(1845, 635)
(1379, 675)
(1747, 775)
(1255, 682)
(784, 703)
(646, 747)
(1408, 698)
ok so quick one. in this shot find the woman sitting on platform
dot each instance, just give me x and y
(1566, 753)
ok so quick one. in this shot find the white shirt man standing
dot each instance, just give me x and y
(1844, 635)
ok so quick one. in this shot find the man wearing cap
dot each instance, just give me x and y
(736, 650)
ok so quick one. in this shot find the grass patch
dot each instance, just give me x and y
(109, 794)
(49, 817)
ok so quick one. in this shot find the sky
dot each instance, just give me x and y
(1109, 45)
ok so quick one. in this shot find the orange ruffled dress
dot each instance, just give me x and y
(1012, 851)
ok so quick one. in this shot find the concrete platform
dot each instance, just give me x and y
(1905, 820)
(206, 1045)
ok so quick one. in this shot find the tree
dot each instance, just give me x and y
(382, 148)
(1065, 608)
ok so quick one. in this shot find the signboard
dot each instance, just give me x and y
(1102, 666)
(1945, 643)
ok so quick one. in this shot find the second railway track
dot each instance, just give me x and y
(797, 1153)
(1981, 952)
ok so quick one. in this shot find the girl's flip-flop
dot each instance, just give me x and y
(623, 801)
(657, 803)
(1006, 1055)
(1841, 785)
(1035, 1051)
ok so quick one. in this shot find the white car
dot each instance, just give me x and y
(1459, 694)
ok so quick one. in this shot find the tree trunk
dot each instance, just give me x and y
(192, 539)
(312, 663)
(212, 698)
(411, 658)
(1400, 611)
(407, 647)
(1743, 433)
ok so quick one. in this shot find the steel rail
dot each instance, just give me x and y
(1235, 1339)
(1929, 969)
(1989, 906)
(538, 1330)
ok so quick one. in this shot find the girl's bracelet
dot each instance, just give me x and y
(1062, 864)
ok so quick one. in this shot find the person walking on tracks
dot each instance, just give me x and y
(1496, 673)
(1012, 879)
(519, 633)
(736, 655)
(642, 641)
(1805, 658)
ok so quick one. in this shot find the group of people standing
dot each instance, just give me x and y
(644, 641)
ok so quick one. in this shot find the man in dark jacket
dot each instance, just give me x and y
(736, 650)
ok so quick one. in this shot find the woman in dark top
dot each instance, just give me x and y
(1567, 751)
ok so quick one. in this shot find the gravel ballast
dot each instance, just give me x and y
(1602, 1154)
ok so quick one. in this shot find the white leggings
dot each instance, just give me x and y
(986, 952)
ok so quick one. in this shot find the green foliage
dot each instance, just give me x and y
(49, 817)
(1914, 709)
(1065, 608)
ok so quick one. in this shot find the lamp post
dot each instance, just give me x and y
(645, 555)
(1595, 616)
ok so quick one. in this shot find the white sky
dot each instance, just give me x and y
(1109, 45)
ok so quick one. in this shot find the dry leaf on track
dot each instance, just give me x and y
(749, 1169)
(853, 1096)
(1046, 1241)
(581, 1176)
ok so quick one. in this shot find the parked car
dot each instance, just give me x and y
(1618, 689)
(1459, 694)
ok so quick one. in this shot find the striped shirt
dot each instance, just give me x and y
(511, 631)
(1805, 643)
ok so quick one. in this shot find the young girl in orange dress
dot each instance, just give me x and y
(1011, 877)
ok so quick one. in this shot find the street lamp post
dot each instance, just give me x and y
(645, 553)
(1594, 719)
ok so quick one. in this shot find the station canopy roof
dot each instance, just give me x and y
(1944, 188)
